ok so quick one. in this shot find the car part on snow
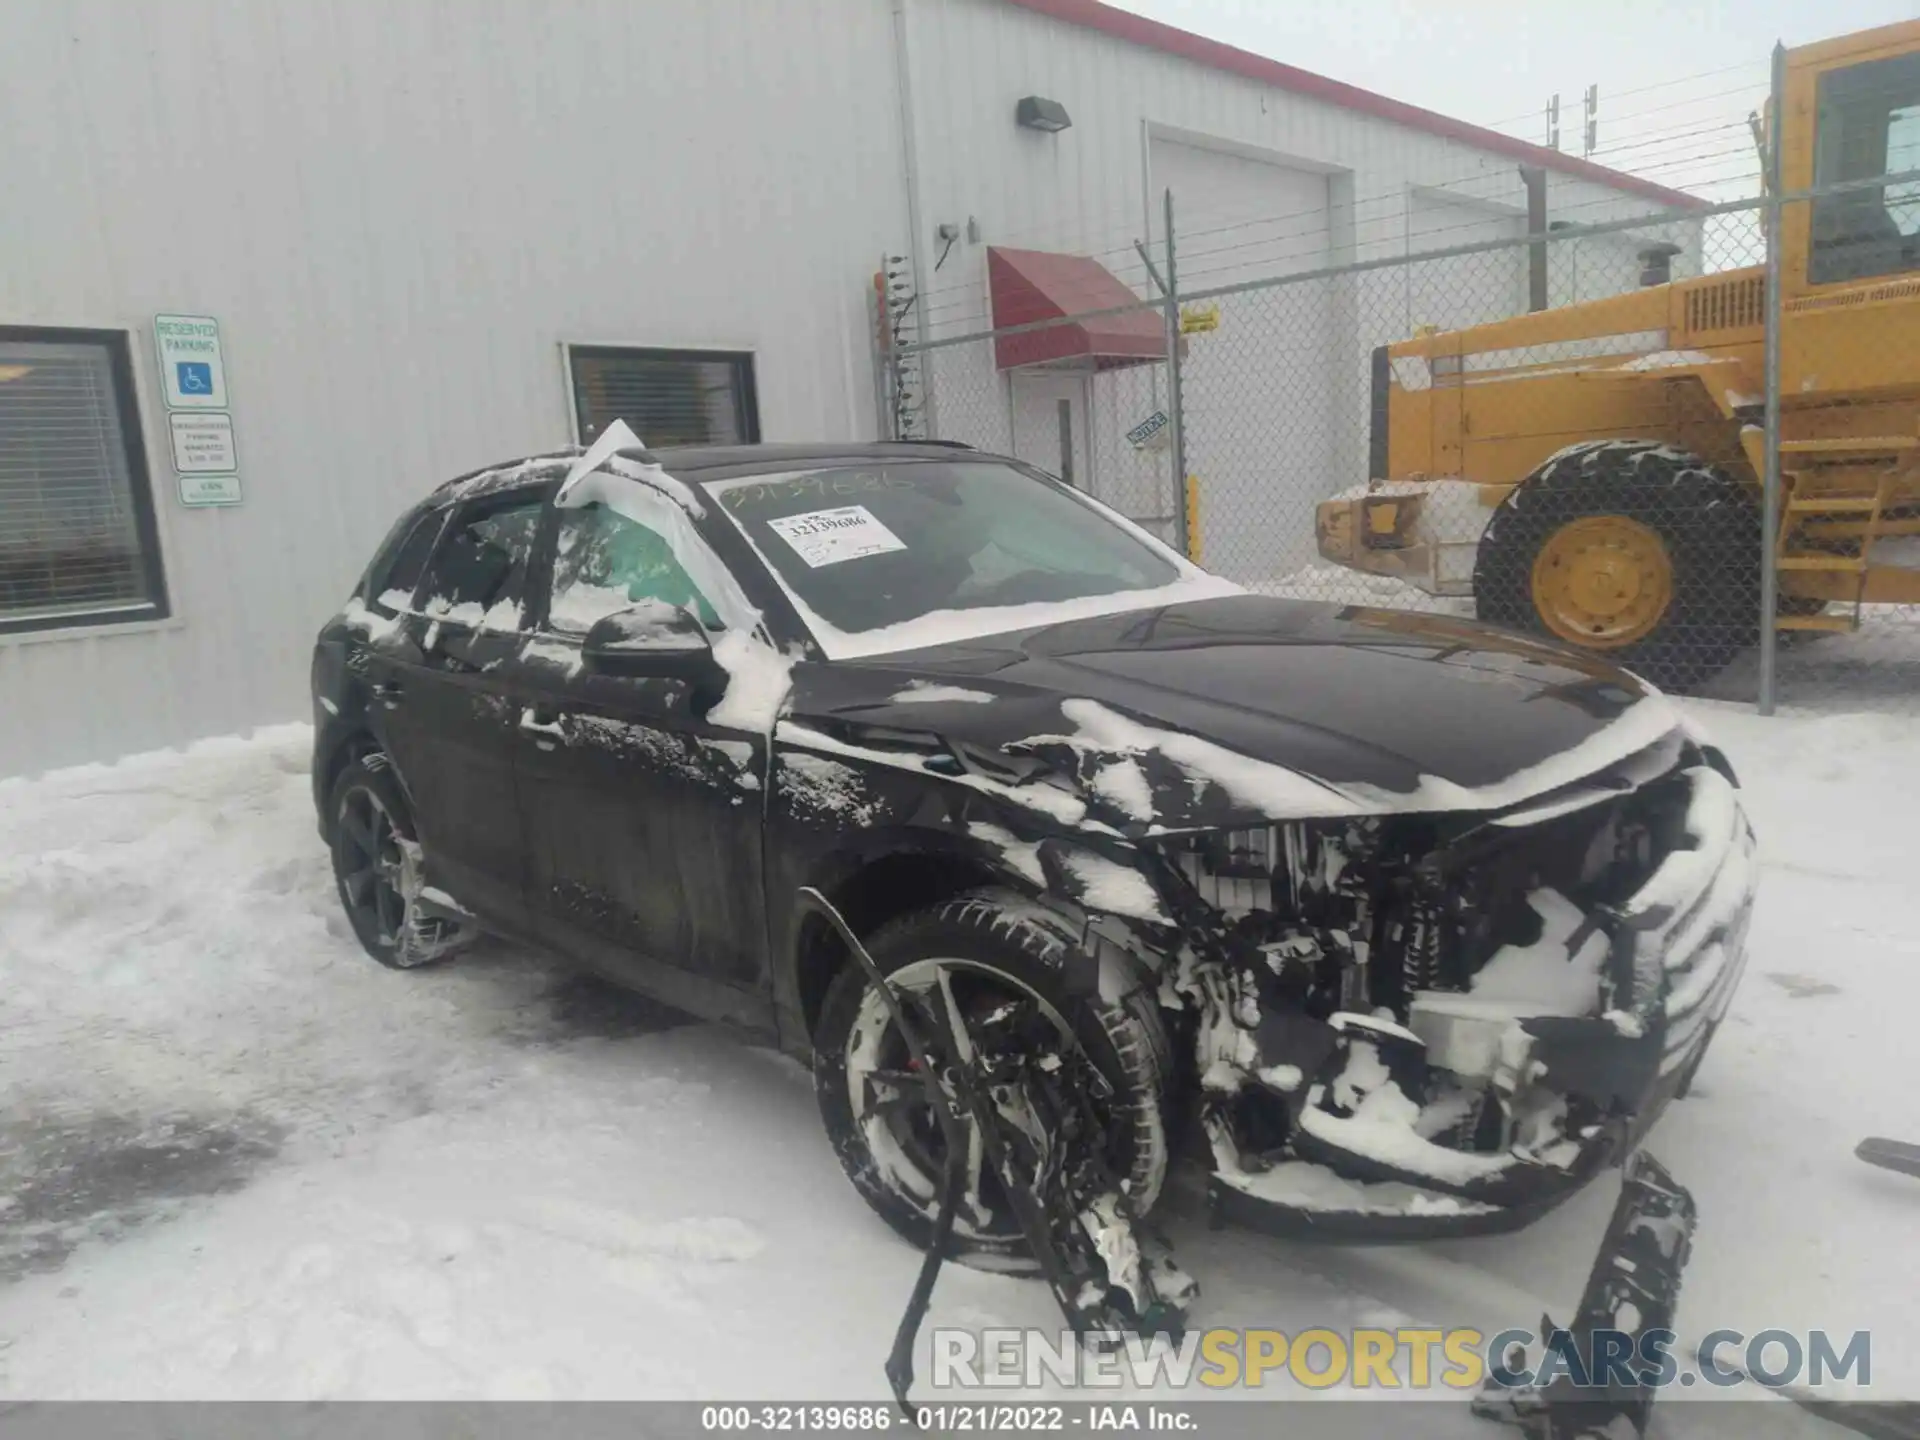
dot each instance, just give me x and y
(1632, 1290)
(1890, 1154)
(378, 868)
(1017, 1108)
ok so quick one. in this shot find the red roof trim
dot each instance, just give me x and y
(1138, 30)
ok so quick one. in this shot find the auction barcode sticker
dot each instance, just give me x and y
(829, 537)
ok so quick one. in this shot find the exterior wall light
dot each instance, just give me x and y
(1036, 112)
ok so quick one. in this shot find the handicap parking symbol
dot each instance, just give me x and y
(195, 377)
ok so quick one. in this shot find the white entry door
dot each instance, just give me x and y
(1050, 424)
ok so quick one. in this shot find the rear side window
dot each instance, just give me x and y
(395, 575)
(478, 575)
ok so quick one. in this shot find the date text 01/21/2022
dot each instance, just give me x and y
(982, 1418)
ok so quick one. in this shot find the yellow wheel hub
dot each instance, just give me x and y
(1602, 582)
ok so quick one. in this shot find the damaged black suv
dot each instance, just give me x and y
(1395, 924)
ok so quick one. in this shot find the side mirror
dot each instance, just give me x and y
(655, 641)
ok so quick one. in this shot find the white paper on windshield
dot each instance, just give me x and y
(830, 537)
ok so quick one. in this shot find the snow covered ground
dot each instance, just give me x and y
(242, 1161)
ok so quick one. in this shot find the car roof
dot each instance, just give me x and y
(710, 461)
(749, 459)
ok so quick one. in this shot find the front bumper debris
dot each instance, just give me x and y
(1633, 1290)
(1392, 1168)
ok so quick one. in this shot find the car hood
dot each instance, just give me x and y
(1223, 710)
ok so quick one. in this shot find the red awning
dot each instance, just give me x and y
(1030, 285)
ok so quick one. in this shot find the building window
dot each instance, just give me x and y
(77, 538)
(667, 397)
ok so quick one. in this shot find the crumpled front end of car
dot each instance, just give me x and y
(1415, 1025)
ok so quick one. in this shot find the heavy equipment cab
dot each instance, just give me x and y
(1593, 472)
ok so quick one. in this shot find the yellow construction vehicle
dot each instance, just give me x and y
(1593, 472)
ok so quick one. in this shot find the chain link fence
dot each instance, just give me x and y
(1540, 430)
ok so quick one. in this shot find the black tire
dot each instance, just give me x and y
(1707, 522)
(376, 869)
(990, 938)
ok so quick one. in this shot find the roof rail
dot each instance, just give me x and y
(950, 444)
(565, 453)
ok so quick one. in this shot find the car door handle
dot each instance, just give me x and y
(543, 725)
(389, 692)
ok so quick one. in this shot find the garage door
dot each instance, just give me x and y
(1258, 392)
(1463, 289)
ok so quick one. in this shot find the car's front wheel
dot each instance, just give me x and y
(995, 962)
(376, 869)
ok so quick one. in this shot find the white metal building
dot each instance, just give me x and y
(395, 242)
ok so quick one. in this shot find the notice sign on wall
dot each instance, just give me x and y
(209, 489)
(203, 443)
(204, 457)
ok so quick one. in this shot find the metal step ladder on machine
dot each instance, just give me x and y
(1825, 513)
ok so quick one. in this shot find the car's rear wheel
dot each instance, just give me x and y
(377, 869)
(993, 960)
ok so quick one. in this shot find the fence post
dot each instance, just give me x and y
(1176, 422)
(880, 331)
(1774, 213)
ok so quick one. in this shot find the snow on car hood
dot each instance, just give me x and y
(1216, 712)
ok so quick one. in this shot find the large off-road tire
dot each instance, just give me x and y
(1640, 553)
(995, 947)
(376, 869)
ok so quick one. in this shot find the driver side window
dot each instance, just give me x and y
(605, 562)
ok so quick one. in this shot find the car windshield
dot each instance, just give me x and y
(880, 545)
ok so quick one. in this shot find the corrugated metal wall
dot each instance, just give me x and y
(399, 212)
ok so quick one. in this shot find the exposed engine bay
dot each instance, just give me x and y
(1449, 1022)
